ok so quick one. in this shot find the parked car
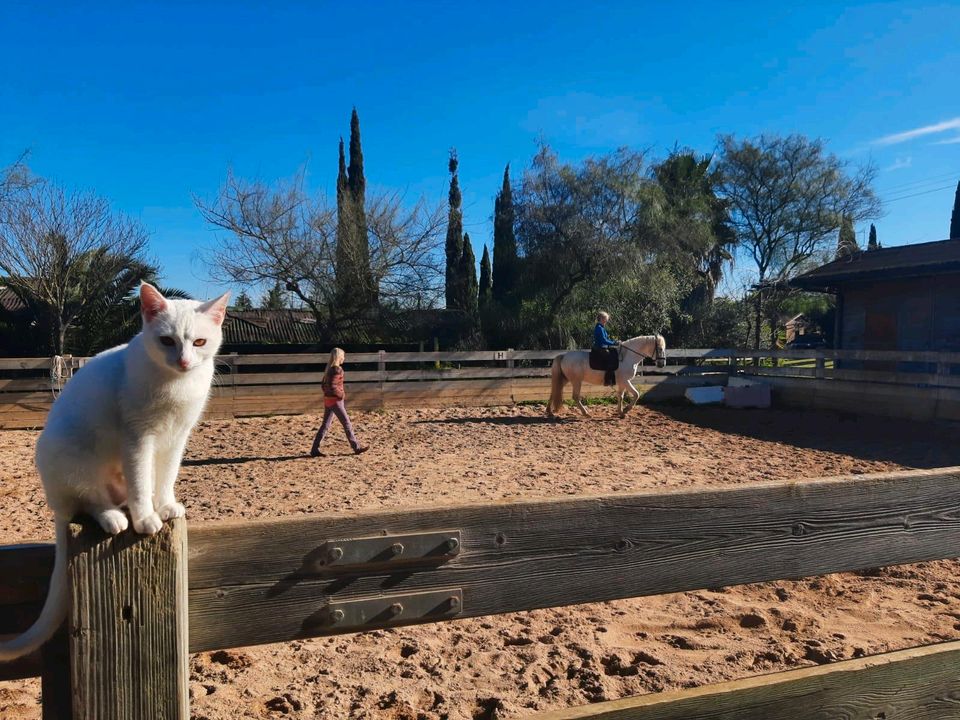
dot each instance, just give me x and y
(812, 341)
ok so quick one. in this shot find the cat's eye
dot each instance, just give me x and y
(199, 342)
(168, 341)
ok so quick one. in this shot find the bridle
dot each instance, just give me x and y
(657, 353)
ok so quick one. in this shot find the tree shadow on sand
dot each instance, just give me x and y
(905, 442)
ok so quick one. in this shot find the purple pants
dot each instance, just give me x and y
(341, 412)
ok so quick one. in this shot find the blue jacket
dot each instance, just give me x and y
(600, 337)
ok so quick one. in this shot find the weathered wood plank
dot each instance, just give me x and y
(313, 378)
(255, 582)
(788, 371)
(297, 359)
(21, 401)
(55, 678)
(931, 356)
(293, 390)
(25, 363)
(128, 623)
(465, 374)
(920, 684)
(33, 384)
(22, 421)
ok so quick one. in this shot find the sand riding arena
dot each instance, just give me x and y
(514, 665)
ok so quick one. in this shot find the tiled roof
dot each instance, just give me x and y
(298, 327)
(9, 302)
(257, 327)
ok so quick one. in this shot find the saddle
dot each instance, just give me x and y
(604, 359)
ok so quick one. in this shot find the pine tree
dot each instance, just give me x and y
(955, 216)
(847, 240)
(486, 279)
(274, 299)
(468, 279)
(872, 244)
(505, 262)
(357, 184)
(243, 302)
(454, 246)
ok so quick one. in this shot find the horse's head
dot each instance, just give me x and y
(660, 351)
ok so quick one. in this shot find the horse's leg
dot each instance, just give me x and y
(619, 396)
(635, 398)
(577, 400)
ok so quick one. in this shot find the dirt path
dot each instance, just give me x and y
(510, 665)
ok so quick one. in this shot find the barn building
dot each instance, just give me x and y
(897, 298)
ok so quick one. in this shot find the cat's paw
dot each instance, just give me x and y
(148, 524)
(171, 510)
(113, 522)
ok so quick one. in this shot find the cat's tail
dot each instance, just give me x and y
(54, 609)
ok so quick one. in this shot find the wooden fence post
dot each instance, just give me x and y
(382, 372)
(128, 623)
(55, 691)
(943, 369)
(510, 361)
(821, 366)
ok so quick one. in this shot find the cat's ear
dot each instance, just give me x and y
(216, 309)
(152, 303)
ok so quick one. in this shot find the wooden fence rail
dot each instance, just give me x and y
(261, 582)
(250, 385)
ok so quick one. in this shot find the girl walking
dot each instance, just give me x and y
(332, 385)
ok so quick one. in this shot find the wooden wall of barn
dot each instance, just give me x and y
(902, 314)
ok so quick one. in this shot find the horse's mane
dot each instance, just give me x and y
(643, 337)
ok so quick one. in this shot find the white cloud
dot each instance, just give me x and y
(953, 124)
(948, 141)
(899, 164)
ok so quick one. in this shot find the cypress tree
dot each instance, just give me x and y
(357, 185)
(505, 262)
(454, 246)
(486, 279)
(847, 240)
(468, 279)
(873, 244)
(347, 280)
(955, 216)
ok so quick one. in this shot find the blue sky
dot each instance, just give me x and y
(150, 103)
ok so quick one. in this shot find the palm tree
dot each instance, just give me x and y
(113, 317)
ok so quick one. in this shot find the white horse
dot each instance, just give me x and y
(574, 367)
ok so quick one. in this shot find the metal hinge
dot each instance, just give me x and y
(410, 549)
(386, 610)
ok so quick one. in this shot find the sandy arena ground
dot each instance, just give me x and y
(511, 665)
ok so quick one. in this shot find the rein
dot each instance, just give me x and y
(637, 352)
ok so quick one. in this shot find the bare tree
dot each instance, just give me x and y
(15, 178)
(62, 251)
(787, 197)
(283, 235)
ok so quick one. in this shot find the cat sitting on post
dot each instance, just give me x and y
(114, 438)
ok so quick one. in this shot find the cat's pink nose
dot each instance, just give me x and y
(184, 363)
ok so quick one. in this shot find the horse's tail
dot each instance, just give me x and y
(557, 380)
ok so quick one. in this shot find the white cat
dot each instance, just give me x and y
(115, 436)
